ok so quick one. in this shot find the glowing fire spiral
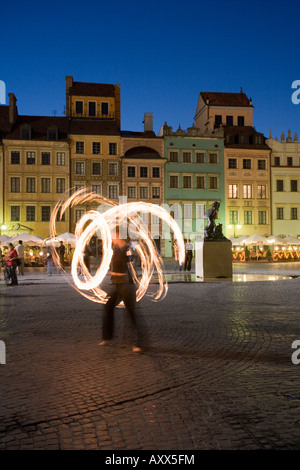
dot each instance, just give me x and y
(103, 225)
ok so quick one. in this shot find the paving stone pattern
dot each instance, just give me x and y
(216, 371)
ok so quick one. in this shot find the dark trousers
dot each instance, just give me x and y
(188, 260)
(13, 273)
(127, 293)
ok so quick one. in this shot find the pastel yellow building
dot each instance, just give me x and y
(36, 172)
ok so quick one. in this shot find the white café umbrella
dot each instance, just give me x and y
(5, 239)
(238, 240)
(273, 240)
(28, 239)
(67, 237)
(256, 239)
(292, 240)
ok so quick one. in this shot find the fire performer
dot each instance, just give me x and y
(123, 288)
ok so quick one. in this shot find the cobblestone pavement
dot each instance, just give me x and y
(216, 371)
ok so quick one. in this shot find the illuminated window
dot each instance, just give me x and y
(233, 191)
(261, 191)
(247, 191)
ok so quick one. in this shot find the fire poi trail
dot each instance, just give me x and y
(124, 217)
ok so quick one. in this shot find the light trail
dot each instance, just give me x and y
(104, 226)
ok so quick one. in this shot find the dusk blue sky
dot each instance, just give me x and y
(162, 53)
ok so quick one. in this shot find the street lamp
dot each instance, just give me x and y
(238, 226)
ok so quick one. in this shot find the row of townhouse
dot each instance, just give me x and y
(221, 157)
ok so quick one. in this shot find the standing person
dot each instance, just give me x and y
(61, 251)
(49, 263)
(12, 264)
(188, 256)
(123, 288)
(176, 256)
(20, 250)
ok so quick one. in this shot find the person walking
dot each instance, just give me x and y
(61, 252)
(188, 256)
(12, 264)
(20, 250)
(123, 288)
(49, 264)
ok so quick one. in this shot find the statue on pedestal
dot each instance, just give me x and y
(212, 231)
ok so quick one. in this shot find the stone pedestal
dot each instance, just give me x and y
(213, 260)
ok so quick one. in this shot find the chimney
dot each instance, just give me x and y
(69, 84)
(13, 110)
(148, 122)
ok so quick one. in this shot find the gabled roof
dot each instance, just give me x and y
(226, 99)
(92, 89)
(39, 126)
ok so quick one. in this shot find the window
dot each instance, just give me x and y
(112, 148)
(15, 158)
(60, 217)
(247, 191)
(30, 213)
(188, 211)
(279, 213)
(96, 168)
(241, 120)
(79, 186)
(78, 214)
(261, 164)
(294, 213)
(279, 185)
(97, 188)
(248, 217)
(144, 172)
(79, 107)
(200, 182)
(15, 213)
(174, 157)
(131, 192)
(232, 163)
(200, 211)
(258, 139)
(52, 133)
(213, 182)
(113, 191)
(229, 120)
(14, 185)
(233, 217)
(261, 191)
(187, 182)
(233, 191)
(61, 158)
(246, 164)
(45, 158)
(131, 172)
(144, 192)
(262, 217)
(186, 156)
(289, 161)
(200, 157)
(113, 169)
(60, 185)
(96, 148)
(294, 185)
(218, 120)
(45, 185)
(156, 172)
(104, 108)
(155, 192)
(92, 108)
(30, 185)
(80, 147)
(25, 133)
(46, 210)
(213, 158)
(277, 161)
(79, 168)
(173, 181)
(30, 158)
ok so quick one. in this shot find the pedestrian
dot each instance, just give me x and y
(122, 288)
(61, 252)
(49, 264)
(20, 250)
(12, 264)
(176, 256)
(188, 255)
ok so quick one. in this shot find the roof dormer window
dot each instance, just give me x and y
(52, 133)
(25, 132)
